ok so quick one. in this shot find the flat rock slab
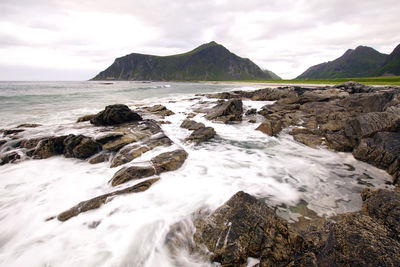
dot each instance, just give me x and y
(169, 161)
(96, 202)
(131, 173)
(192, 125)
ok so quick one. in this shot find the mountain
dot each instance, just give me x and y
(209, 61)
(392, 64)
(360, 62)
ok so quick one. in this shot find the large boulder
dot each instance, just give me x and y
(115, 114)
(270, 127)
(227, 111)
(384, 206)
(80, 147)
(245, 227)
(367, 125)
(201, 135)
(169, 161)
(131, 173)
(382, 151)
(45, 147)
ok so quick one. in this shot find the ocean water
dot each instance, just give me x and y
(131, 229)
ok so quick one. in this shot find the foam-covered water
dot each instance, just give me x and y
(131, 229)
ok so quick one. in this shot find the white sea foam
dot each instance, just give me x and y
(130, 230)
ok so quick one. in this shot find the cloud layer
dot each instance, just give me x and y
(77, 39)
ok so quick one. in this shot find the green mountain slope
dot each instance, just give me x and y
(209, 61)
(361, 62)
(392, 64)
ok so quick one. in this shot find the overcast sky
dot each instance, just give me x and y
(76, 39)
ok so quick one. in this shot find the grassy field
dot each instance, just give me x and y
(392, 80)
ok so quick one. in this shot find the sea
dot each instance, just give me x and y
(131, 230)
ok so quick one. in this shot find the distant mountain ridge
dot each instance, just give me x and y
(392, 64)
(209, 61)
(359, 62)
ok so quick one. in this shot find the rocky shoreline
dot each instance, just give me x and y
(350, 117)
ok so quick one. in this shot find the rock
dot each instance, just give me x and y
(251, 111)
(252, 121)
(86, 118)
(271, 128)
(354, 87)
(80, 147)
(338, 142)
(96, 202)
(46, 147)
(129, 153)
(169, 161)
(192, 125)
(119, 142)
(357, 240)
(367, 125)
(115, 114)
(382, 151)
(228, 111)
(310, 140)
(159, 110)
(384, 206)
(9, 157)
(99, 158)
(28, 125)
(108, 137)
(12, 131)
(201, 135)
(245, 227)
(131, 173)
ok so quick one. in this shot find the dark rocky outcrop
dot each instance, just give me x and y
(96, 202)
(245, 227)
(200, 135)
(227, 111)
(115, 114)
(169, 161)
(9, 157)
(86, 118)
(192, 125)
(45, 147)
(80, 147)
(132, 173)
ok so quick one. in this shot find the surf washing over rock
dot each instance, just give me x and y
(197, 174)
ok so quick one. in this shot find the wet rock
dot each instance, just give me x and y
(356, 240)
(99, 158)
(227, 111)
(169, 161)
(245, 227)
(271, 128)
(80, 147)
(28, 125)
(12, 131)
(86, 118)
(310, 140)
(201, 135)
(46, 147)
(251, 111)
(130, 152)
(159, 110)
(192, 125)
(131, 173)
(367, 125)
(9, 157)
(338, 141)
(115, 114)
(96, 202)
(119, 142)
(108, 137)
(384, 206)
(2, 142)
(382, 151)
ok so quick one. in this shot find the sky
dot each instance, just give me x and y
(76, 39)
